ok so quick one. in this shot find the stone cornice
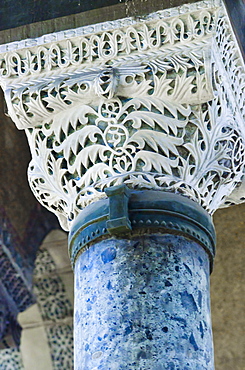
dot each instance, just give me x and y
(60, 36)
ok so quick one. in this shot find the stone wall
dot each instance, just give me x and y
(228, 289)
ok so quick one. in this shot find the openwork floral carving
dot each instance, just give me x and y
(170, 76)
(231, 65)
(144, 143)
(149, 105)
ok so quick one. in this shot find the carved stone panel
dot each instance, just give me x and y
(156, 103)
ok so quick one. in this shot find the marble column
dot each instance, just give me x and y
(136, 131)
(142, 295)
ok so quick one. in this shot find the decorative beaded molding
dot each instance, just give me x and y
(103, 27)
(155, 103)
(128, 212)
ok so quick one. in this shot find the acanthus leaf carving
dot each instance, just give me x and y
(145, 105)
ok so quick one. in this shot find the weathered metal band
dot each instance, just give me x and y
(125, 212)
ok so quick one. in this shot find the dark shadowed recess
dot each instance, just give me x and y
(21, 12)
(236, 10)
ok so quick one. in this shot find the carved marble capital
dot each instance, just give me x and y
(155, 103)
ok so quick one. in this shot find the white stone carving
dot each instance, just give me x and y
(231, 74)
(110, 25)
(155, 104)
(106, 41)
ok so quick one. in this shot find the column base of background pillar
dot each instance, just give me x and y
(142, 298)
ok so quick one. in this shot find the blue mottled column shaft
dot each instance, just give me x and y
(143, 304)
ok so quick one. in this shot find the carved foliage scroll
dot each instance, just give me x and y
(145, 142)
(155, 104)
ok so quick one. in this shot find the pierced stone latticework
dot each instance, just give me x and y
(15, 291)
(56, 310)
(10, 359)
(156, 103)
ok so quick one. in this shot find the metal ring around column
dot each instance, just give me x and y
(127, 212)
